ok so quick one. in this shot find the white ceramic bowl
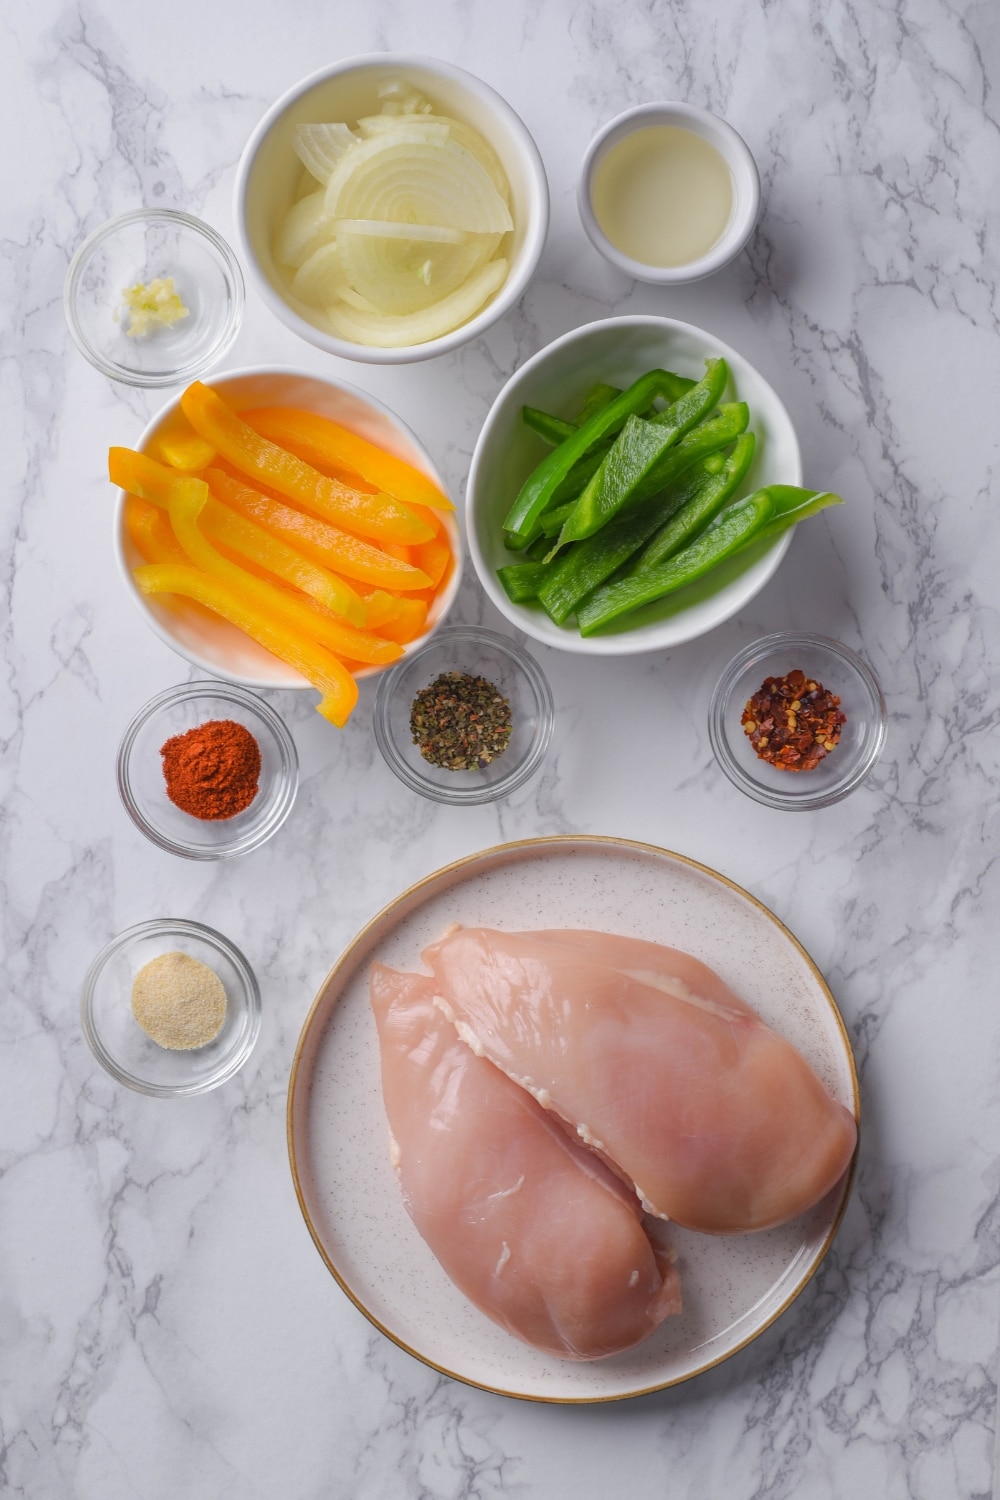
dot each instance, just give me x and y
(212, 643)
(731, 147)
(618, 351)
(269, 173)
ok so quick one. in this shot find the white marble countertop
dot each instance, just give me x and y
(166, 1325)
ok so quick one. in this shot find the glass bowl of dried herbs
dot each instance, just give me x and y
(466, 719)
(797, 720)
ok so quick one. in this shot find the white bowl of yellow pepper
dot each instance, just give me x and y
(322, 604)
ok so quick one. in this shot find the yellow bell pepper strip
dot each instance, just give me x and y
(326, 444)
(371, 649)
(380, 608)
(142, 475)
(431, 517)
(151, 532)
(434, 559)
(337, 688)
(325, 544)
(408, 624)
(369, 515)
(188, 499)
(186, 451)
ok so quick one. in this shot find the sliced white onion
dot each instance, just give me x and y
(382, 229)
(320, 147)
(354, 299)
(458, 131)
(402, 276)
(418, 127)
(381, 332)
(402, 98)
(320, 278)
(416, 181)
(304, 229)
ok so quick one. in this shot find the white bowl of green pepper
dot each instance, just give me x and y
(617, 502)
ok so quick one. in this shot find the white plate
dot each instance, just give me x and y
(733, 1287)
(618, 351)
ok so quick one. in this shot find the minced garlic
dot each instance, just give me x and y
(179, 1002)
(154, 306)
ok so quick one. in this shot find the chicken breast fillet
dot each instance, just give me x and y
(719, 1123)
(532, 1227)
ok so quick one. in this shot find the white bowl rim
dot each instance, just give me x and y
(625, 643)
(212, 668)
(710, 127)
(520, 275)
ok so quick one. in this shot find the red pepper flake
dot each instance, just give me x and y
(793, 722)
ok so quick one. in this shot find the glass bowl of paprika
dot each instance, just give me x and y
(207, 770)
(797, 720)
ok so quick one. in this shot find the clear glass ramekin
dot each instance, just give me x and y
(142, 246)
(119, 1042)
(144, 790)
(480, 653)
(840, 670)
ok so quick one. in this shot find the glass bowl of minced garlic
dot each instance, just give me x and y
(171, 1007)
(154, 298)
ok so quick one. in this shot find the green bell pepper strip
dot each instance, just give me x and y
(718, 432)
(764, 514)
(637, 452)
(600, 396)
(553, 429)
(721, 429)
(597, 398)
(521, 581)
(703, 507)
(555, 519)
(535, 495)
(591, 562)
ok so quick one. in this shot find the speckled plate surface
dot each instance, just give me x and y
(733, 1287)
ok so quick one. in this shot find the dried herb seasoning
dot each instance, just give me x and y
(460, 722)
(793, 722)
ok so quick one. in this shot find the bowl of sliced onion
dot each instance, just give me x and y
(391, 207)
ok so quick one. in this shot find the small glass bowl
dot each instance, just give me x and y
(838, 669)
(119, 1042)
(481, 653)
(140, 247)
(144, 790)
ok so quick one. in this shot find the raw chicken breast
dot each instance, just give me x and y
(528, 1224)
(720, 1124)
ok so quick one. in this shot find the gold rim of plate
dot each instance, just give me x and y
(345, 961)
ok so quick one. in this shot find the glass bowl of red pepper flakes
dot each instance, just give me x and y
(797, 720)
(211, 725)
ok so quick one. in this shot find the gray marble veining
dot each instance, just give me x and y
(166, 1327)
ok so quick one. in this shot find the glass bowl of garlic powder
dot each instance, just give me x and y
(154, 298)
(171, 1008)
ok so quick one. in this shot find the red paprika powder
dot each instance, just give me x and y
(213, 771)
